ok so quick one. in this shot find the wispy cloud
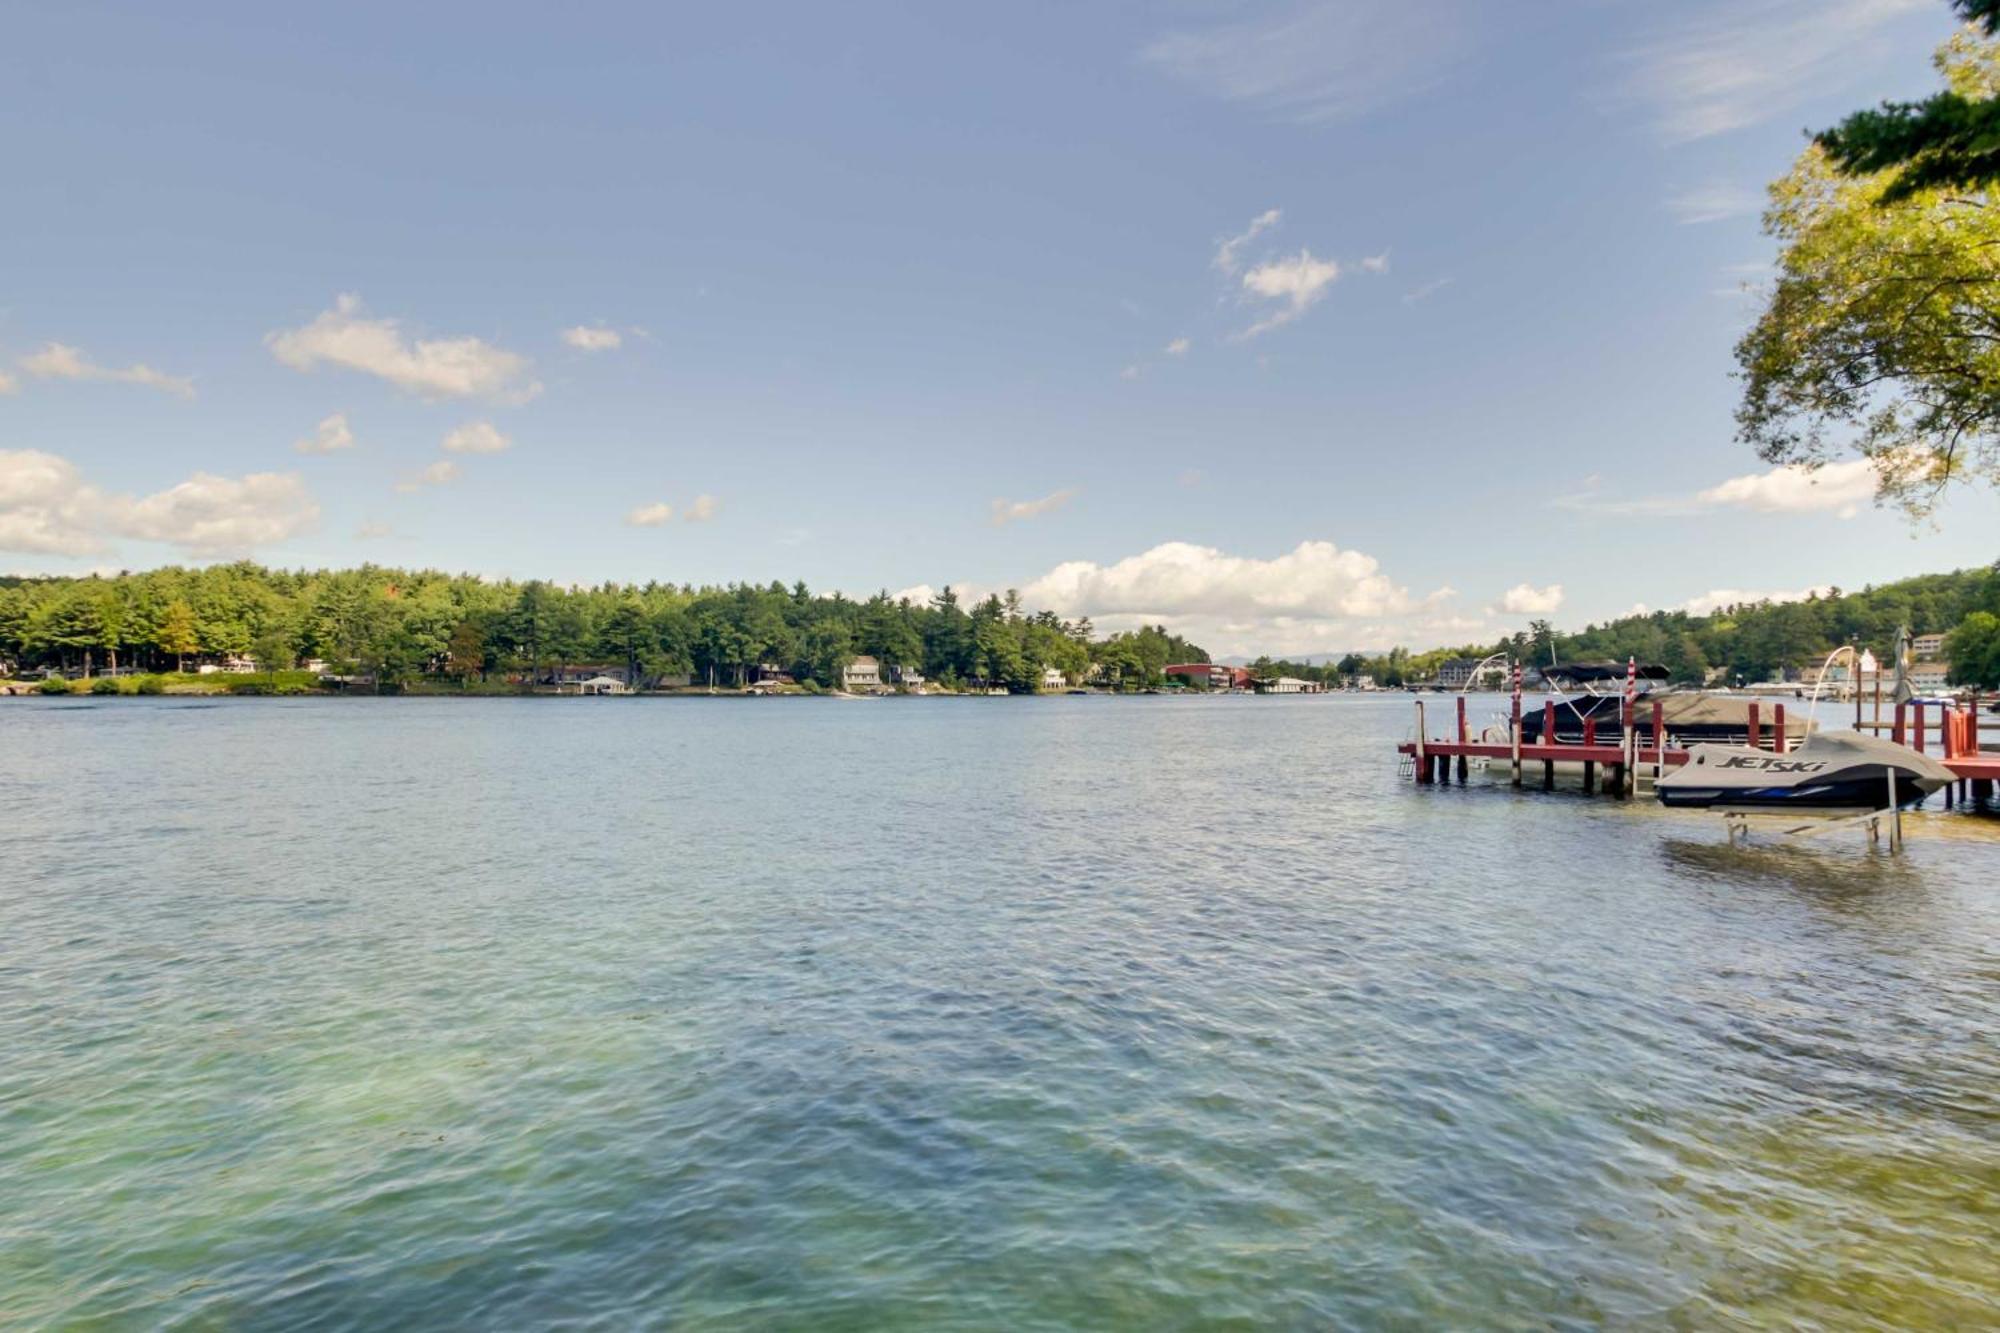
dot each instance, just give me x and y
(8, 384)
(437, 474)
(1178, 347)
(650, 516)
(1322, 62)
(1719, 67)
(58, 361)
(1013, 511)
(593, 338)
(1425, 291)
(1228, 250)
(1714, 201)
(1376, 263)
(702, 508)
(330, 437)
(1297, 283)
(464, 367)
(476, 437)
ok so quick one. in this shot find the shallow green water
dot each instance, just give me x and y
(955, 1013)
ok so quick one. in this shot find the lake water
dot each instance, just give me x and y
(1005, 1014)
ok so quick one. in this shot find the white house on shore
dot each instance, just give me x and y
(863, 673)
(1053, 679)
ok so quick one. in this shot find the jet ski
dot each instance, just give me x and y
(1830, 771)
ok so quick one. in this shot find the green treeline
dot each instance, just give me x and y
(408, 625)
(1751, 642)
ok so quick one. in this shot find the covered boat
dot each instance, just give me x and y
(1830, 771)
(1691, 717)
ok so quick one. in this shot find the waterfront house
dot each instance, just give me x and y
(908, 678)
(573, 675)
(1927, 646)
(1286, 685)
(1053, 679)
(863, 673)
(1212, 674)
(1926, 677)
(602, 685)
(1456, 674)
(770, 673)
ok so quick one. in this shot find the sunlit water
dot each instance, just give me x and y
(956, 1013)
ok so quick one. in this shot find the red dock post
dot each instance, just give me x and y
(1589, 765)
(1917, 711)
(1548, 739)
(1756, 728)
(1896, 728)
(1463, 737)
(1778, 728)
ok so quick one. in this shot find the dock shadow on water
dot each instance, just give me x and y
(1855, 870)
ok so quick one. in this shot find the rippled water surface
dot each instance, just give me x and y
(956, 1013)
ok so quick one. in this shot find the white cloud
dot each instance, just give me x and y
(1717, 598)
(1837, 488)
(1714, 201)
(589, 339)
(1226, 252)
(650, 516)
(1178, 347)
(476, 437)
(1734, 63)
(1841, 488)
(1321, 62)
(1376, 263)
(208, 515)
(1010, 511)
(1525, 599)
(1315, 598)
(57, 361)
(437, 474)
(1299, 282)
(1132, 372)
(464, 367)
(331, 436)
(1180, 578)
(46, 507)
(8, 384)
(702, 509)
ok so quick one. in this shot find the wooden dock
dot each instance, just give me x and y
(1615, 765)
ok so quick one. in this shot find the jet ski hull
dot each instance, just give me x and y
(1829, 772)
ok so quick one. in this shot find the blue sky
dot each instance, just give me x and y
(903, 297)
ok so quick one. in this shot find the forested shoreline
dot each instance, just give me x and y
(400, 627)
(404, 627)
(1749, 641)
